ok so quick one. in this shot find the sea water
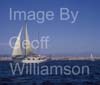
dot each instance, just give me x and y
(93, 78)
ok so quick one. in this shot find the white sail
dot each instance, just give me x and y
(28, 49)
(17, 48)
(92, 57)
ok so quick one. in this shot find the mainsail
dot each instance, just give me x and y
(28, 49)
(17, 48)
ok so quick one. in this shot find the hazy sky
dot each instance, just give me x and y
(65, 38)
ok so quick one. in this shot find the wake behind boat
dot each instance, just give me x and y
(26, 55)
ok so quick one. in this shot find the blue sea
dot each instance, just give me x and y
(93, 78)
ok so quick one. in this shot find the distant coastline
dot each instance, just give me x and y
(9, 58)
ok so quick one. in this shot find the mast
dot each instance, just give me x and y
(25, 39)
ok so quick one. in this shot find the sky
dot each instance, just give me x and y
(65, 38)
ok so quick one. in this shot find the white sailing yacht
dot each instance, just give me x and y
(25, 54)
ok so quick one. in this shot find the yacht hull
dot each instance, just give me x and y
(34, 61)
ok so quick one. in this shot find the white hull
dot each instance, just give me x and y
(34, 60)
